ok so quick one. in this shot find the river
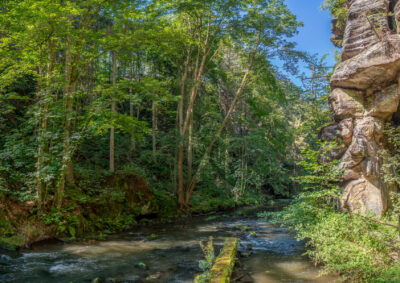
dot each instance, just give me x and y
(165, 253)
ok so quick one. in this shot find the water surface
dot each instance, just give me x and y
(270, 254)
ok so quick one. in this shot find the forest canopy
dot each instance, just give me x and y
(190, 100)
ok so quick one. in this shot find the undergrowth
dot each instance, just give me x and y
(357, 248)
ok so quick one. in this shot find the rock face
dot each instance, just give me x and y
(364, 17)
(365, 95)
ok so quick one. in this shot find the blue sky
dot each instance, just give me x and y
(314, 36)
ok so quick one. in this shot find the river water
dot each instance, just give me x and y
(270, 254)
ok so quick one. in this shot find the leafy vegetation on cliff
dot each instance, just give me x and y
(338, 9)
(357, 247)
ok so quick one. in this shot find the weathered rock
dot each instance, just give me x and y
(373, 69)
(331, 134)
(371, 169)
(363, 142)
(365, 95)
(345, 103)
(361, 196)
(341, 134)
(385, 102)
(361, 159)
(352, 174)
(367, 21)
(346, 131)
(396, 11)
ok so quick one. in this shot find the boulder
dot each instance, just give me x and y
(371, 169)
(341, 134)
(373, 69)
(361, 161)
(385, 102)
(352, 174)
(364, 143)
(345, 128)
(345, 103)
(362, 197)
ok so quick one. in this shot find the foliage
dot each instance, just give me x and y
(391, 156)
(90, 84)
(351, 245)
(338, 9)
(207, 263)
(209, 255)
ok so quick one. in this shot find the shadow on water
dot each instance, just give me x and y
(272, 255)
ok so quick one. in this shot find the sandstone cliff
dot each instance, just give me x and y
(365, 95)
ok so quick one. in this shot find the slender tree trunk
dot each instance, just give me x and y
(155, 128)
(114, 111)
(43, 147)
(72, 59)
(226, 159)
(236, 99)
(189, 149)
(70, 88)
(198, 73)
(181, 193)
(66, 159)
(242, 179)
(132, 148)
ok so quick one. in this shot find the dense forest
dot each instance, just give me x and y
(119, 113)
(184, 97)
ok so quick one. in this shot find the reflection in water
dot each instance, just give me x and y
(173, 257)
(119, 248)
(268, 269)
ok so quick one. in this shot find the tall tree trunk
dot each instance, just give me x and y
(181, 192)
(198, 73)
(189, 149)
(72, 71)
(66, 164)
(243, 169)
(155, 128)
(132, 147)
(236, 99)
(43, 147)
(204, 48)
(114, 111)
(226, 157)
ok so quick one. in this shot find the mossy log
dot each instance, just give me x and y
(221, 270)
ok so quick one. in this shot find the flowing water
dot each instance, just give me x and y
(270, 255)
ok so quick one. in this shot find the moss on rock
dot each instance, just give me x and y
(222, 269)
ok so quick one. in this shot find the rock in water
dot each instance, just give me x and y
(365, 95)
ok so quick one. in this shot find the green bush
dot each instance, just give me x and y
(359, 249)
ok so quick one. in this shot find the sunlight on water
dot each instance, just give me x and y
(275, 256)
(118, 248)
(207, 228)
(274, 268)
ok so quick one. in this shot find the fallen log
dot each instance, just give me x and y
(221, 271)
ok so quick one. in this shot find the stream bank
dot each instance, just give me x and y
(165, 253)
